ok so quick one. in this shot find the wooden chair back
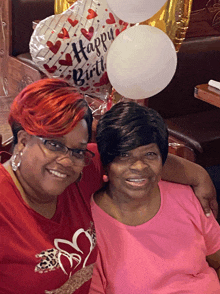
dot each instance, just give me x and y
(5, 149)
(180, 148)
(16, 18)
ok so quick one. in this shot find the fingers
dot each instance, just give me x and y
(208, 206)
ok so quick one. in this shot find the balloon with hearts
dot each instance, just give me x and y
(74, 45)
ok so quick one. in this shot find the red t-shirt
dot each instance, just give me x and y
(40, 255)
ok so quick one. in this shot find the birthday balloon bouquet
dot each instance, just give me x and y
(99, 44)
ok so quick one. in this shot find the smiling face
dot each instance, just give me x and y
(135, 174)
(43, 174)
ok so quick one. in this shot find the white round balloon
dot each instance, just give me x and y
(134, 11)
(141, 62)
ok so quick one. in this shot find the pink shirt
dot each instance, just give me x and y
(165, 255)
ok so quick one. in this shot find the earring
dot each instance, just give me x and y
(105, 178)
(15, 161)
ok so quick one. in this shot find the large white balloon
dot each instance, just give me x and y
(141, 62)
(134, 11)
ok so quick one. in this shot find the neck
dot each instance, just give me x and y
(46, 208)
(131, 212)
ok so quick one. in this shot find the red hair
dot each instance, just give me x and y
(48, 107)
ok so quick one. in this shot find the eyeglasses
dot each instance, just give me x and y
(79, 157)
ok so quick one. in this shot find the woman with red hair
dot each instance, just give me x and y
(48, 242)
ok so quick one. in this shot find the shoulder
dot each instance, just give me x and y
(181, 195)
(5, 178)
(9, 194)
(176, 189)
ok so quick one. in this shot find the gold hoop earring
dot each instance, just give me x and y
(15, 161)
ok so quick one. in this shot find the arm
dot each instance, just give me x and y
(179, 170)
(214, 261)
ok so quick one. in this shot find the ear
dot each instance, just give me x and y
(23, 139)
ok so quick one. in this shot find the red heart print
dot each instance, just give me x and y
(67, 61)
(92, 14)
(111, 19)
(125, 27)
(84, 89)
(103, 80)
(50, 69)
(68, 77)
(88, 34)
(64, 34)
(54, 48)
(73, 22)
(117, 32)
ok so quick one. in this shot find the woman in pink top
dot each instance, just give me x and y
(152, 235)
(47, 242)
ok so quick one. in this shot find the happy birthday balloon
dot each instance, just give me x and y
(141, 62)
(73, 45)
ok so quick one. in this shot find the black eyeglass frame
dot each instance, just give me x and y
(87, 154)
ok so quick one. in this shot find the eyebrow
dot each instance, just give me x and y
(62, 140)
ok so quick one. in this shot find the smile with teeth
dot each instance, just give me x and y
(136, 180)
(57, 174)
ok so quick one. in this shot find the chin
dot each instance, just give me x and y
(55, 190)
(53, 186)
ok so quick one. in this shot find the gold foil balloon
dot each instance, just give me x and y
(62, 5)
(173, 19)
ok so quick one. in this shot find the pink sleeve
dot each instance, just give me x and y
(98, 280)
(211, 234)
(210, 230)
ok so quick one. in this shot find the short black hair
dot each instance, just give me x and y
(128, 125)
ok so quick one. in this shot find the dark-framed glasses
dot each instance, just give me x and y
(79, 157)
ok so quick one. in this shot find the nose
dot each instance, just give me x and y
(138, 164)
(65, 159)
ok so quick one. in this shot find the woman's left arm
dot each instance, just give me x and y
(214, 261)
(180, 170)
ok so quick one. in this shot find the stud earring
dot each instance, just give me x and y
(105, 178)
(16, 161)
